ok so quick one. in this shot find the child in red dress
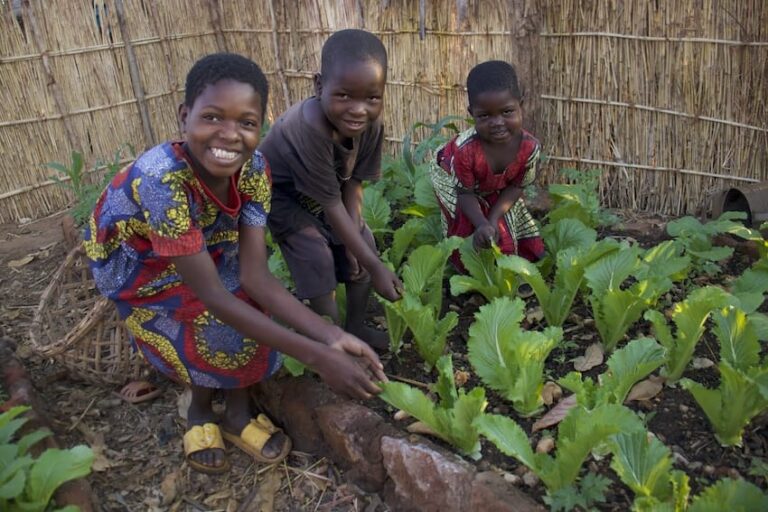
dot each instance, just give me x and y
(480, 174)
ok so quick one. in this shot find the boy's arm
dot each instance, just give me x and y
(337, 368)
(384, 280)
(352, 196)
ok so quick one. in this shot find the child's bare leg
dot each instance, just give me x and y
(200, 412)
(325, 305)
(358, 294)
(237, 416)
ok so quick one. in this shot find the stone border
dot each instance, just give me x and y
(21, 392)
(408, 471)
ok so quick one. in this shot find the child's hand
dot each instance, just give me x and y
(348, 375)
(484, 236)
(353, 346)
(386, 283)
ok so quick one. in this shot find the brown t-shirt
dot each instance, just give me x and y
(309, 169)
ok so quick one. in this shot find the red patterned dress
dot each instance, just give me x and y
(461, 165)
(155, 209)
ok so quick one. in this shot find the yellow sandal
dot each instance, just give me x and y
(200, 438)
(254, 437)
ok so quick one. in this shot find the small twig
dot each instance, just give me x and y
(409, 381)
(288, 477)
(77, 422)
(246, 504)
(319, 500)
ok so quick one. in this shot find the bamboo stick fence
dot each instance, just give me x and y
(668, 97)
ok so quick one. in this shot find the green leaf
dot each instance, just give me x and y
(689, 317)
(54, 467)
(484, 275)
(446, 386)
(295, 367)
(610, 272)
(407, 398)
(731, 495)
(376, 211)
(13, 487)
(750, 288)
(31, 439)
(567, 233)
(643, 463)
(665, 259)
(396, 326)
(630, 364)
(402, 240)
(739, 345)
(508, 437)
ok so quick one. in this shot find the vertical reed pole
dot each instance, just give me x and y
(278, 58)
(133, 68)
(215, 10)
(53, 86)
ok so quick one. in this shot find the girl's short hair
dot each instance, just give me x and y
(225, 66)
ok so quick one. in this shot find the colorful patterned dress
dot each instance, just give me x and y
(461, 164)
(157, 208)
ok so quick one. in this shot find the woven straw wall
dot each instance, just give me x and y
(673, 91)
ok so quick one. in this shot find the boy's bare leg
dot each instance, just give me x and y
(200, 412)
(358, 294)
(238, 415)
(325, 305)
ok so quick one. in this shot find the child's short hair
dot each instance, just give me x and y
(492, 75)
(225, 66)
(352, 45)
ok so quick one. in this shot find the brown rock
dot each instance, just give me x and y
(425, 478)
(491, 493)
(353, 433)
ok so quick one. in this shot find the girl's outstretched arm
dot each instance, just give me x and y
(485, 231)
(340, 370)
(507, 198)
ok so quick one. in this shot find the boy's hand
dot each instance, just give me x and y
(386, 283)
(347, 375)
(484, 236)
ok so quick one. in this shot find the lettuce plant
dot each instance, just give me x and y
(750, 288)
(28, 483)
(561, 235)
(580, 432)
(741, 396)
(615, 309)
(728, 494)
(452, 418)
(484, 276)
(626, 366)
(508, 358)
(579, 200)
(689, 317)
(377, 213)
(556, 302)
(696, 238)
(421, 304)
(737, 334)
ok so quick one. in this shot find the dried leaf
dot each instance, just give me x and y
(646, 389)
(460, 377)
(96, 441)
(21, 262)
(545, 445)
(551, 393)
(700, 363)
(265, 500)
(556, 414)
(169, 487)
(591, 358)
(183, 401)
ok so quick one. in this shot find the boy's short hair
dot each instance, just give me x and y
(492, 75)
(352, 45)
(225, 66)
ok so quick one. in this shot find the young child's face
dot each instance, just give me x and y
(498, 116)
(351, 95)
(222, 127)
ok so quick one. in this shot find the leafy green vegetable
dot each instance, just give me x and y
(689, 317)
(696, 238)
(561, 235)
(429, 333)
(739, 345)
(615, 309)
(453, 419)
(750, 288)
(579, 200)
(484, 274)
(643, 463)
(731, 495)
(740, 397)
(556, 302)
(626, 367)
(377, 213)
(590, 491)
(28, 484)
(507, 358)
(580, 432)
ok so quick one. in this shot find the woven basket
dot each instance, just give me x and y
(81, 330)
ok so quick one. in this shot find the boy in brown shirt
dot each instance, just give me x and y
(320, 151)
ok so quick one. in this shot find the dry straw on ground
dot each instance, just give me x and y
(669, 97)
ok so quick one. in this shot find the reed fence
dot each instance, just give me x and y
(668, 97)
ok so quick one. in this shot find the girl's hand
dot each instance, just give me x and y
(347, 375)
(484, 236)
(353, 346)
(386, 283)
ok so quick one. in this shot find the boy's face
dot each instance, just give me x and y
(351, 95)
(222, 127)
(498, 116)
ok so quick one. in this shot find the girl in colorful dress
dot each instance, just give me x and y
(479, 175)
(177, 242)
